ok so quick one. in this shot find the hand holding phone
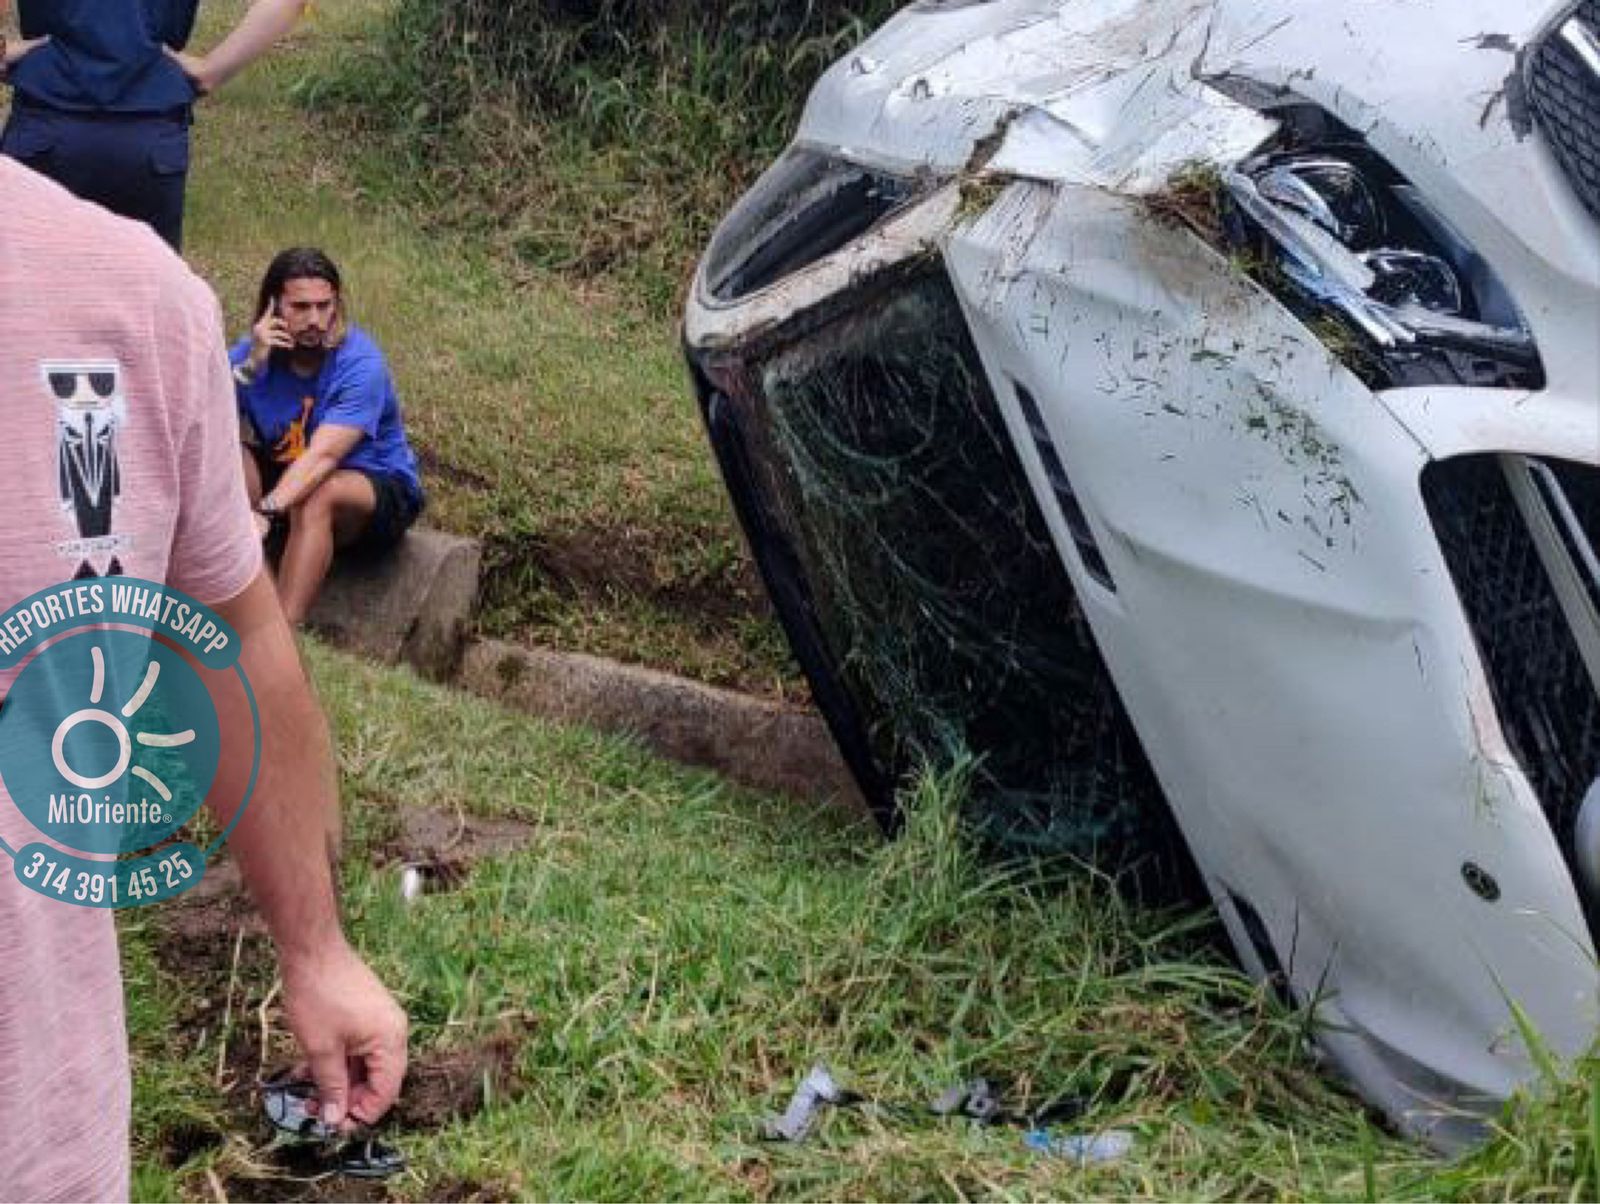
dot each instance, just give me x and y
(269, 333)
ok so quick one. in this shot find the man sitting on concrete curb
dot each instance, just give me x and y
(330, 453)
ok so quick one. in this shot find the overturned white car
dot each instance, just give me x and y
(1191, 408)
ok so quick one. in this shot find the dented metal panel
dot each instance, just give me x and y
(1294, 657)
(1293, 325)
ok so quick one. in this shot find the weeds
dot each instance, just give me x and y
(660, 963)
(601, 138)
(1192, 197)
(1349, 346)
(978, 195)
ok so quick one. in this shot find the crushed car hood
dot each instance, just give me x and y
(1123, 94)
(1138, 80)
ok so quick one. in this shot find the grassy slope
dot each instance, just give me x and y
(558, 427)
(674, 956)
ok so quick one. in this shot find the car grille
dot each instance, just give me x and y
(1563, 88)
(1502, 521)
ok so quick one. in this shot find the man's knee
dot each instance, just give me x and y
(316, 508)
(343, 499)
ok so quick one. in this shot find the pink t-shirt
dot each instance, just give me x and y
(118, 453)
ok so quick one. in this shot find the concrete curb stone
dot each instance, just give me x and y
(753, 741)
(413, 606)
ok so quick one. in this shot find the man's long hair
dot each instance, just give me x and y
(304, 263)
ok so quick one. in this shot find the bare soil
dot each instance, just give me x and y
(215, 941)
(593, 561)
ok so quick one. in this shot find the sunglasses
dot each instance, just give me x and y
(82, 382)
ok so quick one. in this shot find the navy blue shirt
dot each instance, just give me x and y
(105, 55)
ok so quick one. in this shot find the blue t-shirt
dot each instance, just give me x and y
(353, 388)
(105, 55)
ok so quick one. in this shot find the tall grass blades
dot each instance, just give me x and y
(597, 137)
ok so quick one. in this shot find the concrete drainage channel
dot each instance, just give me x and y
(414, 606)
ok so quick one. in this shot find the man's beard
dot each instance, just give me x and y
(308, 355)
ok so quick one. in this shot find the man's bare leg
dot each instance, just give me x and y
(333, 513)
(252, 474)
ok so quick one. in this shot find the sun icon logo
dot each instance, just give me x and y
(109, 741)
(119, 730)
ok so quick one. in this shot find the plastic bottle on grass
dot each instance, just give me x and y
(1086, 1149)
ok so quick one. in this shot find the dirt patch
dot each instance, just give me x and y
(445, 470)
(756, 1176)
(444, 846)
(186, 1141)
(470, 1191)
(595, 562)
(679, 599)
(298, 1174)
(448, 1084)
(199, 932)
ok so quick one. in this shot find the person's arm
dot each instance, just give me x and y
(350, 1030)
(264, 23)
(330, 444)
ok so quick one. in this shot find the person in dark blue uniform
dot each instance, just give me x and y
(103, 91)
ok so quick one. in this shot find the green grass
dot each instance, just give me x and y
(556, 422)
(601, 139)
(668, 955)
(676, 955)
(671, 956)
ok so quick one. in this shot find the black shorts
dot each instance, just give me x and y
(398, 507)
(397, 504)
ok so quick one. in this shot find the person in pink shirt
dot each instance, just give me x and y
(121, 455)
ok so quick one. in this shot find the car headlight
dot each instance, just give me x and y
(806, 206)
(1343, 238)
